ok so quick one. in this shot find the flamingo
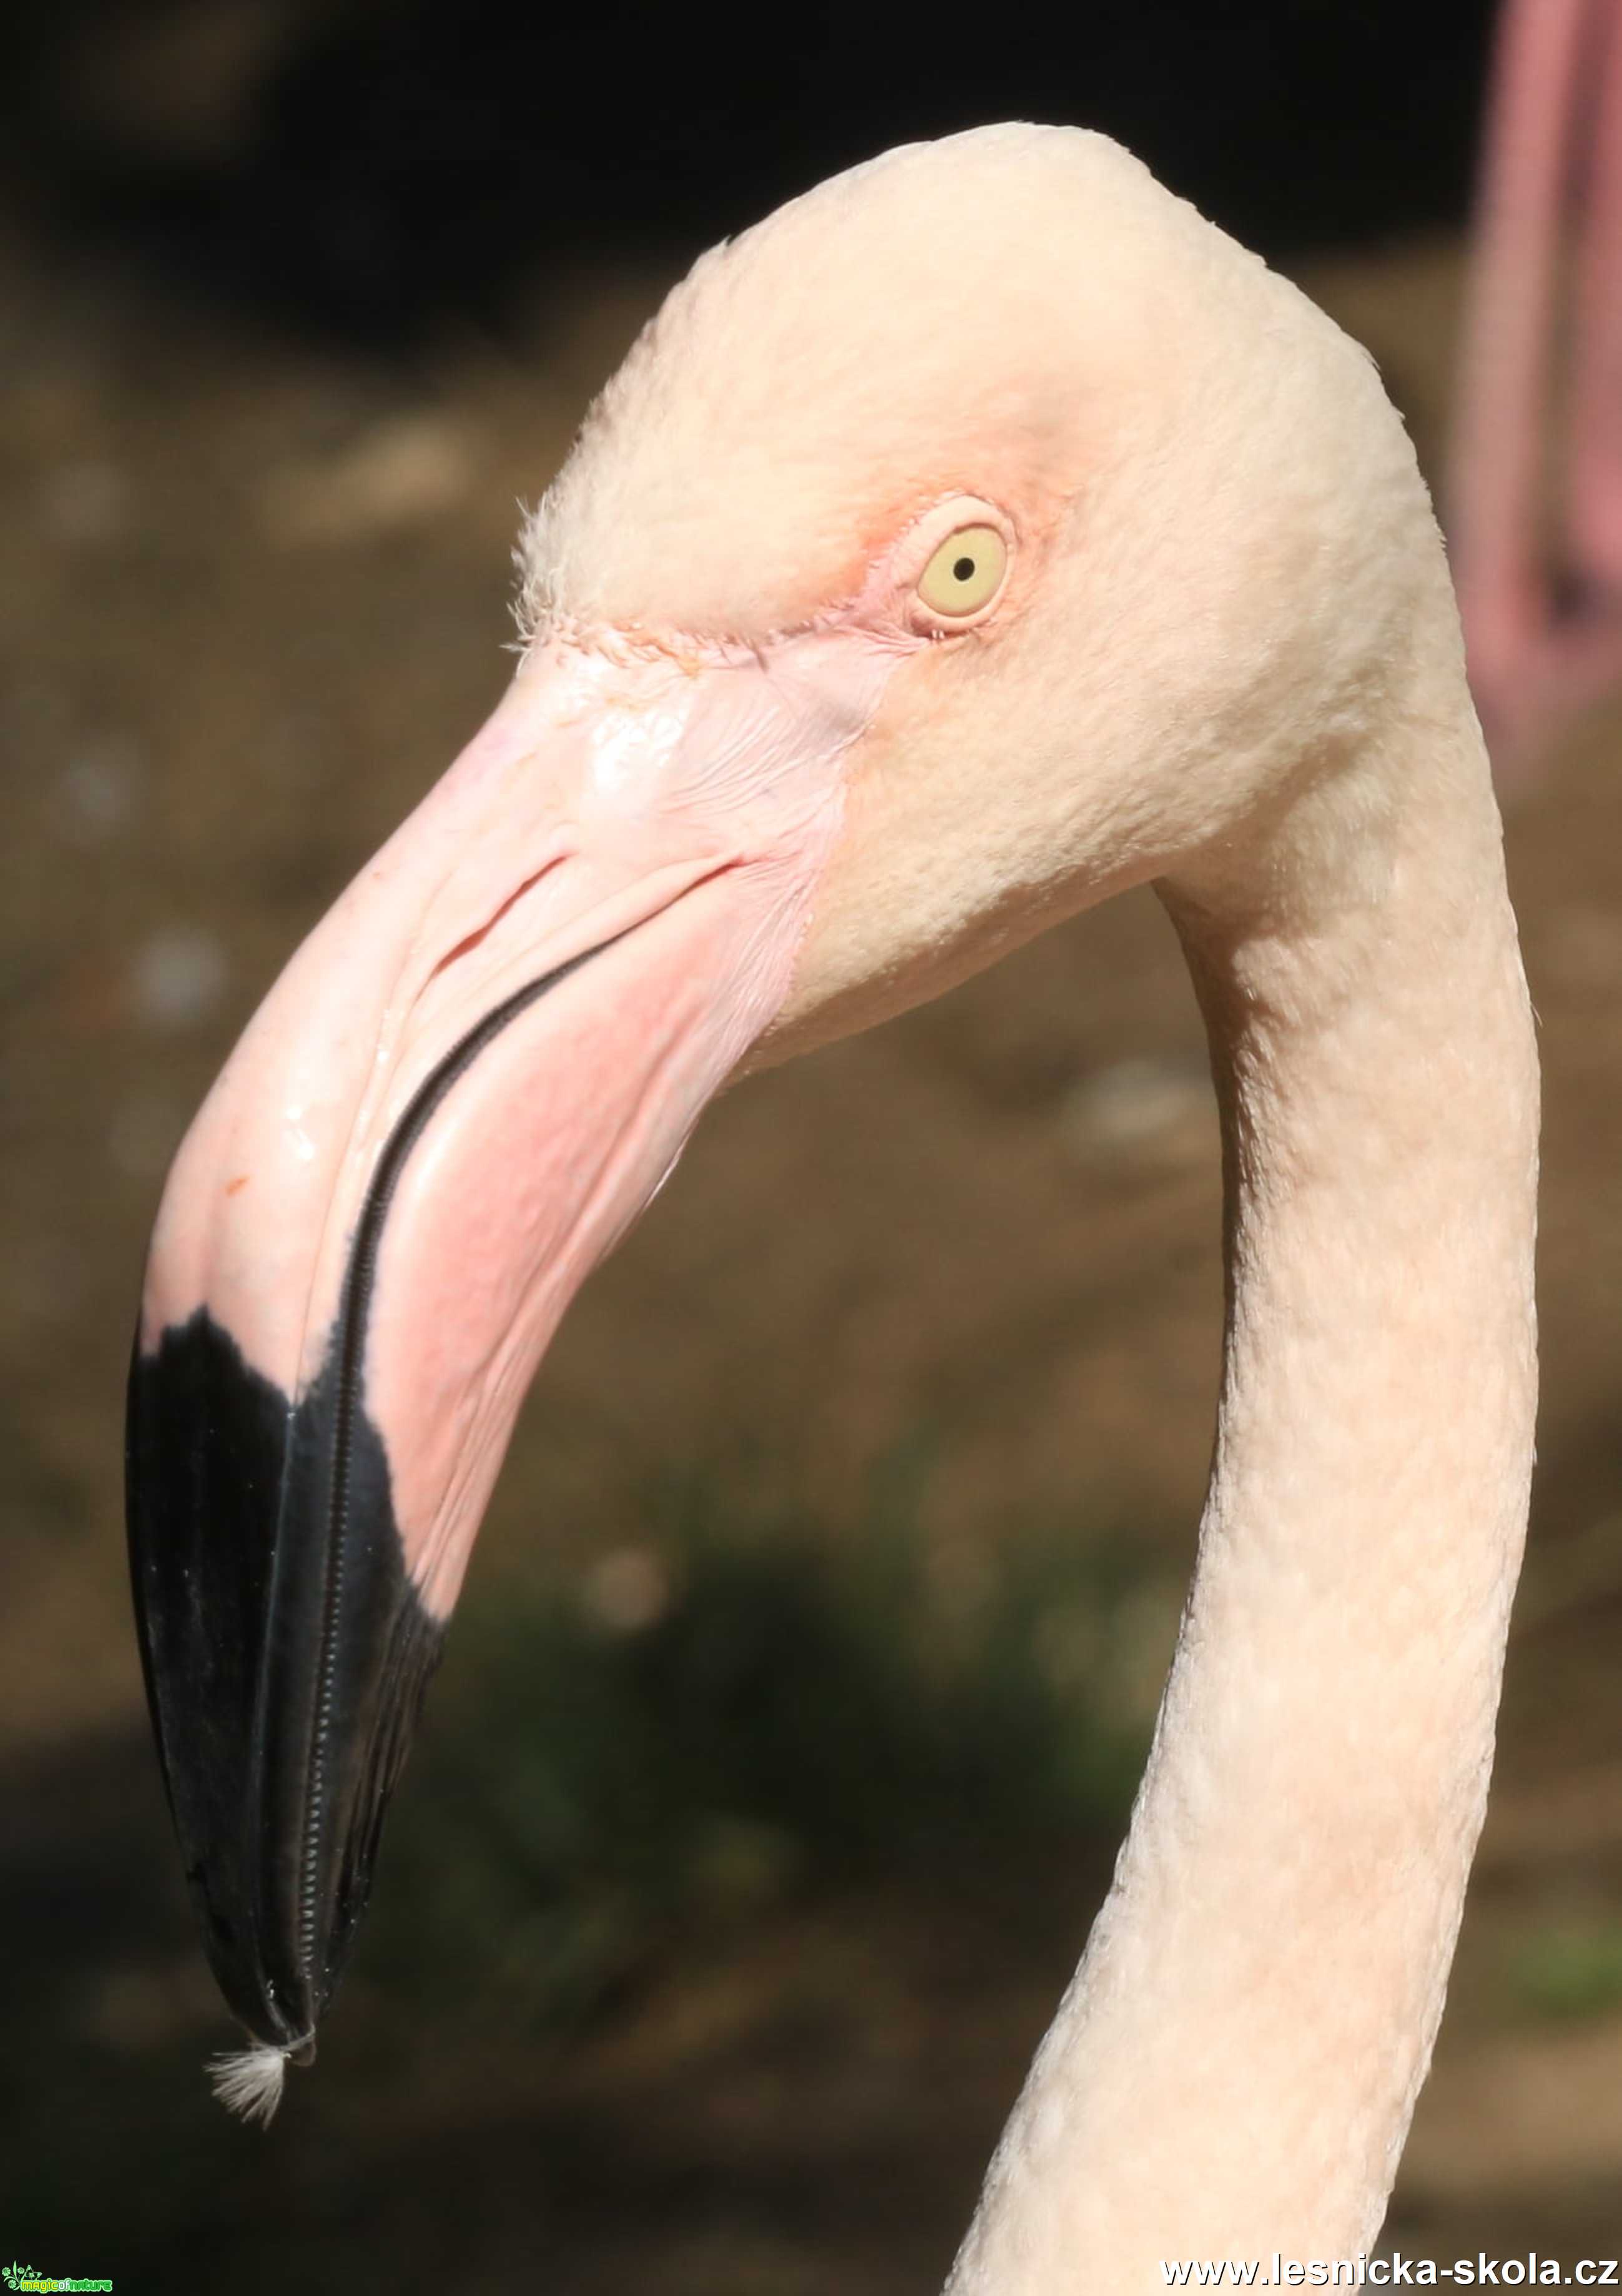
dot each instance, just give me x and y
(1543, 612)
(982, 533)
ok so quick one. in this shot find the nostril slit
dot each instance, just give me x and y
(471, 941)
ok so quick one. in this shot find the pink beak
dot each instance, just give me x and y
(464, 1088)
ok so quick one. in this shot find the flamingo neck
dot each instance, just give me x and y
(1233, 2069)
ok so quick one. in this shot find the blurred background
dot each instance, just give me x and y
(791, 1718)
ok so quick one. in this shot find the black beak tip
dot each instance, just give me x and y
(285, 1653)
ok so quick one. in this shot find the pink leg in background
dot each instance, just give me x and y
(1594, 480)
(1543, 612)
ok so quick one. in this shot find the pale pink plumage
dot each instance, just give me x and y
(1227, 661)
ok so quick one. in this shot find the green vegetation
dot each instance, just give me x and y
(1570, 1970)
(728, 1715)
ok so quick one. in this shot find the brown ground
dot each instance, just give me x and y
(251, 600)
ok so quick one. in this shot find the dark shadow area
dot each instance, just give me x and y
(692, 1890)
(367, 170)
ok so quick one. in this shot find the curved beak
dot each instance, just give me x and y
(464, 1088)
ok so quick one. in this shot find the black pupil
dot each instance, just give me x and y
(963, 569)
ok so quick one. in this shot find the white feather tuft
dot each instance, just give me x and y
(248, 2082)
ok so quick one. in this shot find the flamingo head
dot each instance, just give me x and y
(980, 534)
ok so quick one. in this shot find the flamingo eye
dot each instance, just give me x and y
(965, 573)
